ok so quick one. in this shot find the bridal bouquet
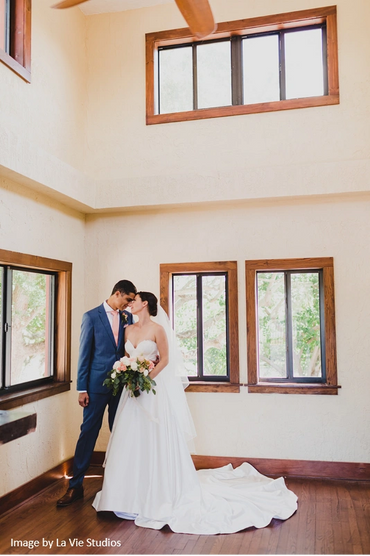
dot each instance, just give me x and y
(132, 372)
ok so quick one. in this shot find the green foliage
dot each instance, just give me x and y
(305, 305)
(214, 323)
(29, 305)
(135, 381)
(30, 314)
(306, 320)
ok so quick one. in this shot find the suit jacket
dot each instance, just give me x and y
(98, 349)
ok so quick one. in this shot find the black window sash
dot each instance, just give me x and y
(199, 294)
(289, 329)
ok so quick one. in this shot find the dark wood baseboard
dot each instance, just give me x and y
(271, 467)
(292, 468)
(282, 467)
(34, 487)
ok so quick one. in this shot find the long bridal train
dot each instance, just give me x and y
(150, 476)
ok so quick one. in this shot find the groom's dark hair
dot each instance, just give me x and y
(124, 287)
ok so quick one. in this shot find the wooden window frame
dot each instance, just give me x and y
(255, 385)
(166, 271)
(19, 60)
(290, 20)
(62, 337)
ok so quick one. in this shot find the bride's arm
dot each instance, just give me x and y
(162, 344)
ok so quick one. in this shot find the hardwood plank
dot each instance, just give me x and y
(306, 492)
(361, 506)
(226, 543)
(333, 517)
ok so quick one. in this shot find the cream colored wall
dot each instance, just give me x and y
(241, 157)
(32, 223)
(77, 134)
(320, 153)
(42, 123)
(42, 144)
(50, 112)
(259, 425)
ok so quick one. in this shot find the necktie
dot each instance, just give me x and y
(115, 325)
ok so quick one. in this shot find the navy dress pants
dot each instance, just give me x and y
(91, 425)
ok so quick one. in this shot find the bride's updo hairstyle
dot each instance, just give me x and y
(152, 302)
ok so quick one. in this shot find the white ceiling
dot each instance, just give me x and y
(103, 6)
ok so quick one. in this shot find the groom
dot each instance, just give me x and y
(101, 344)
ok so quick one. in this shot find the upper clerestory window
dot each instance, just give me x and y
(255, 65)
(15, 36)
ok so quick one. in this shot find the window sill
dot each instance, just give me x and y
(289, 388)
(15, 66)
(17, 399)
(238, 110)
(213, 387)
(15, 424)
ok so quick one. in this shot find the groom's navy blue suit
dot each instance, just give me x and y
(98, 353)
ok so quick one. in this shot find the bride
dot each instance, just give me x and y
(149, 474)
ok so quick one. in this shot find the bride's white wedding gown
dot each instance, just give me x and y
(150, 476)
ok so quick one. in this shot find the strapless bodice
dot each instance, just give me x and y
(145, 348)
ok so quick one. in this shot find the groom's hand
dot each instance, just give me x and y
(83, 399)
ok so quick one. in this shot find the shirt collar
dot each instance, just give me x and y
(108, 308)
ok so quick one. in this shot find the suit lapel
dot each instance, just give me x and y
(105, 322)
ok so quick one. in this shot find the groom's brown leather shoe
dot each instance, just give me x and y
(70, 496)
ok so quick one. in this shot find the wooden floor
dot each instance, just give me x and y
(333, 517)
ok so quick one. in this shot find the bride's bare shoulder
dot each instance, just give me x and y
(158, 330)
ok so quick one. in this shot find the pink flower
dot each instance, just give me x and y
(151, 366)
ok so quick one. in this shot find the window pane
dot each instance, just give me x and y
(1, 323)
(175, 80)
(214, 325)
(30, 326)
(261, 69)
(185, 319)
(306, 324)
(304, 64)
(214, 74)
(271, 325)
(3, 25)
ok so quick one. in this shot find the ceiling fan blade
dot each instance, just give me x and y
(198, 15)
(68, 3)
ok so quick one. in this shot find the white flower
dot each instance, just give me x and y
(134, 366)
(116, 365)
(125, 360)
(113, 375)
(146, 372)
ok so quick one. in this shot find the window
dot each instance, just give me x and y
(35, 328)
(263, 64)
(15, 36)
(201, 299)
(291, 326)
